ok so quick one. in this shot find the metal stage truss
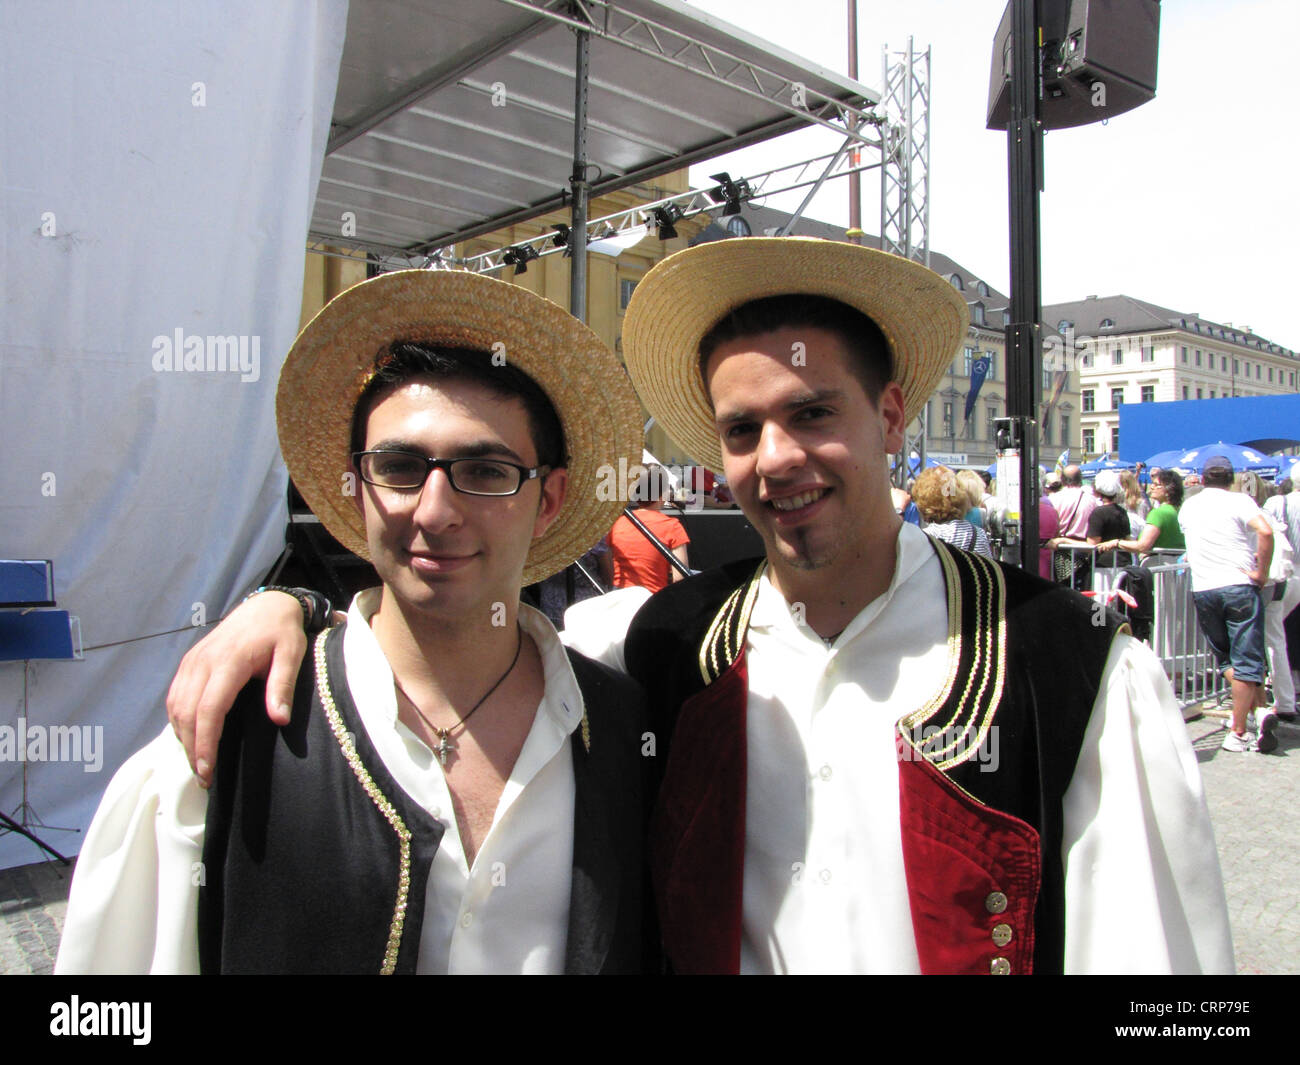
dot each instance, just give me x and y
(452, 121)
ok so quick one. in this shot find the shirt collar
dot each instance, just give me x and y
(773, 614)
(370, 678)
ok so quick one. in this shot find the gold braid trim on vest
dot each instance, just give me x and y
(950, 728)
(348, 747)
(726, 633)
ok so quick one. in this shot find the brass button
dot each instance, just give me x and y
(1001, 935)
(999, 967)
(996, 902)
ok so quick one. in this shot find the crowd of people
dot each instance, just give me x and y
(1237, 532)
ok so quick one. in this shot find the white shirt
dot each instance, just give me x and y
(134, 900)
(824, 886)
(1286, 509)
(1220, 545)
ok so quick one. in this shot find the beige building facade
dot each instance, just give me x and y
(1130, 351)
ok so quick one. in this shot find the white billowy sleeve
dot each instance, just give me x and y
(598, 627)
(133, 907)
(1143, 890)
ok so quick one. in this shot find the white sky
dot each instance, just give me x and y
(1187, 201)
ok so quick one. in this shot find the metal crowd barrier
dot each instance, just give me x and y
(1177, 638)
(1176, 635)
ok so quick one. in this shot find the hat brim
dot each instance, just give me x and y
(923, 318)
(331, 360)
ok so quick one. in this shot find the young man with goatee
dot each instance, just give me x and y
(450, 791)
(881, 753)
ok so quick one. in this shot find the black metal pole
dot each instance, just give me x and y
(578, 183)
(1023, 332)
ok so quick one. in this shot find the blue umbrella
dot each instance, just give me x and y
(1165, 460)
(1242, 458)
(1097, 465)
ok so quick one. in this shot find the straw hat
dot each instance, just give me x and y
(922, 317)
(333, 357)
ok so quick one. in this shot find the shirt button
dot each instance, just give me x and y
(996, 902)
(1001, 935)
(999, 967)
(824, 772)
(466, 920)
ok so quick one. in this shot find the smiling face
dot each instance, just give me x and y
(805, 451)
(440, 552)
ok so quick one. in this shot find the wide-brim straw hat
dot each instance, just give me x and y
(921, 316)
(334, 356)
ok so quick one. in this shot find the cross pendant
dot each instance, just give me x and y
(445, 746)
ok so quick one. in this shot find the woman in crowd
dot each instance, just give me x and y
(1136, 504)
(1161, 529)
(942, 502)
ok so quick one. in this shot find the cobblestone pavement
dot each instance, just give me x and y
(1251, 797)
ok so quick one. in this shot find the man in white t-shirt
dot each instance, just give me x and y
(1284, 508)
(1227, 574)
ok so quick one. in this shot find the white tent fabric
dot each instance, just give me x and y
(158, 162)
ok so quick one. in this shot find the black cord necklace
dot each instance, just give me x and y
(445, 746)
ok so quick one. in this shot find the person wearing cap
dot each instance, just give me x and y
(877, 753)
(448, 790)
(1229, 568)
(1108, 522)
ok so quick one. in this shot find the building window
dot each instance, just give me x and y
(993, 366)
(1256, 371)
(977, 313)
(981, 288)
(1089, 400)
(1148, 353)
(956, 281)
(993, 417)
(1199, 394)
(738, 227)
(947, 420)
(1065, 429)
(1148, 393)
(1225, 363)
(1198, 356)
(1107, 323)
(1087, 359)
(968, 357)
(1064, 325)
(1114, 440)
(625, 287)
(1184, 391)
(1235, 368)
(1183, 350)
(1270, 375)
(1047, 380)
(1089, 440)
(1119, 355)
(1212, 396)
(1116, 398)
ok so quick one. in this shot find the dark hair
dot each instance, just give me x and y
(872, 362)
(404, 360)
(1217, 477)
(1172, 481)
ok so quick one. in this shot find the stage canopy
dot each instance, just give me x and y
(453, 119)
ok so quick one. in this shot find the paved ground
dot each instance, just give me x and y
(1251, 799)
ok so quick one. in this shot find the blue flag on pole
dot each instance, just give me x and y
(979, 369)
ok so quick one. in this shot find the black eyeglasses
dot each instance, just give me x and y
(406, 471)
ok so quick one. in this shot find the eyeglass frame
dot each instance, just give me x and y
(527, 473)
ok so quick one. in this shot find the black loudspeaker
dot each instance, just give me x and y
(1099, 60)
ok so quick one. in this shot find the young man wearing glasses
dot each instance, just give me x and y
(452, 791)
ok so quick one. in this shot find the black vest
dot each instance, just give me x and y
(1029, 656)
(316, 861)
